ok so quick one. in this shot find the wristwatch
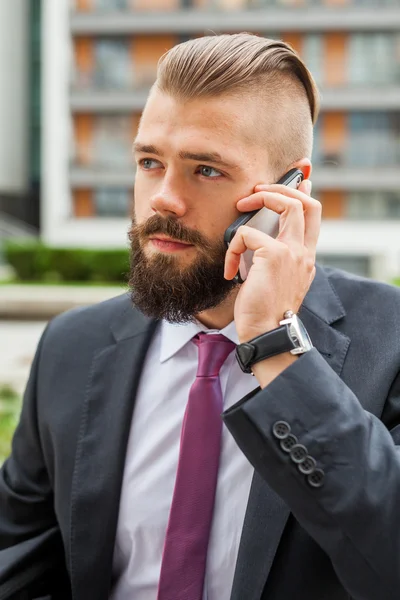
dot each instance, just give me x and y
(291, 337)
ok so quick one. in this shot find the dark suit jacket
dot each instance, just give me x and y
(60, 489)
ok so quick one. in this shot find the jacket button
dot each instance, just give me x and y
(288, 443)
(308, 465)
(281, 430)
(298, 453)
(316, 478)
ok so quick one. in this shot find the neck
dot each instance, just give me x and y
(220, 316)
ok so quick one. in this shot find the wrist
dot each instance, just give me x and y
(253, 332)
(290, 337)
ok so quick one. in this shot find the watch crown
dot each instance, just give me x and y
(288, 314)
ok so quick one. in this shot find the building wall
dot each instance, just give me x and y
(340, 135)
(14, 97)
(96, 84)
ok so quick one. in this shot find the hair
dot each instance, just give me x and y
(246, 64)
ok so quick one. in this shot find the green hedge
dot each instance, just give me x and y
(10, 406)
(37, 262)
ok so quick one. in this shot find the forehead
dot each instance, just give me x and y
(227, 123)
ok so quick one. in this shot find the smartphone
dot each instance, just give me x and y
(263, 219)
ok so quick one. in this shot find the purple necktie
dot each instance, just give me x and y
(186, 541)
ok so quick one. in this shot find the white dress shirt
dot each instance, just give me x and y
(151, 463)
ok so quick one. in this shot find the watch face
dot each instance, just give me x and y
(299, 336)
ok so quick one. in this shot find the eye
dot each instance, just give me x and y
(149, 163)
(209, 172)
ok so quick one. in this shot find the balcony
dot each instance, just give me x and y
(347, 99)
(357, 179)
(324, 178)
(81, 177)
(189, 21)
(100, 101)
(365, 98)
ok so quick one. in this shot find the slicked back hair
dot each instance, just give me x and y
(241, 64)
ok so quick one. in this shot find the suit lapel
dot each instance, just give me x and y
(266, 513)
(100, 457)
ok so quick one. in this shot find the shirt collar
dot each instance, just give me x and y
(176, 336)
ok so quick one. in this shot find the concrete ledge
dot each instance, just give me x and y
(346, 18)
(44, 302)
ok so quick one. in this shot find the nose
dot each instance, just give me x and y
(168, 200)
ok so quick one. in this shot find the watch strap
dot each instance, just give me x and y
(264, 346)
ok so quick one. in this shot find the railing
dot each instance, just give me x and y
(306, 18)
(141, 5)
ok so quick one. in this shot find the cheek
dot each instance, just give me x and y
(218, 212)
(142, 195)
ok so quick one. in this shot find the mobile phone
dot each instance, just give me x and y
(264, 220)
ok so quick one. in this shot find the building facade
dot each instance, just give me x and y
(19, 66)
(99, 59)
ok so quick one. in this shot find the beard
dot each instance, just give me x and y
(162, 288)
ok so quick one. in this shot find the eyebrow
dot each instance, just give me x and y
(208, 157)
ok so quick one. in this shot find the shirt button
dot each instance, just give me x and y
(316, 478)
(281, 430)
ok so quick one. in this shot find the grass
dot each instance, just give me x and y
(10, 407)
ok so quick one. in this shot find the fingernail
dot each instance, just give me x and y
(309, 187)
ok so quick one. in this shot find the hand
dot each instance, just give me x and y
(283, 268)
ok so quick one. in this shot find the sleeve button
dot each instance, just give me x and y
(307, 466)
(281, 430)
(316, 478)
(288, 443)
(298, 453)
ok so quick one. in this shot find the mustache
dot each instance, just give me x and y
(170, 227)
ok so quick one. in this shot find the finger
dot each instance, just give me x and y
(246, 238)
(291, 211)
(312, 217)
(312, 210)
(299, 193)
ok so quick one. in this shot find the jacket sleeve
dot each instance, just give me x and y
(30, 542)
(335, 465)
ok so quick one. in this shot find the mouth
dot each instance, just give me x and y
(166, 244)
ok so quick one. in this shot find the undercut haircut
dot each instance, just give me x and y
(255, 67)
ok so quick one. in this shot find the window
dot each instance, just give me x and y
(113, 64)
(111, 5)
(263, 3)
(317, 157)
(112, 143)
(374, 3)
(373, 140)
(112, 202)
(374, 206)
(374, 58)
(313, 55)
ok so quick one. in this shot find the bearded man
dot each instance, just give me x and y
(124, 481)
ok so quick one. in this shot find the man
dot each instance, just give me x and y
(121, 484)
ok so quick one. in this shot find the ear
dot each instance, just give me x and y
(304, 164)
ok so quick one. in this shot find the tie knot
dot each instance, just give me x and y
(213, 352)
